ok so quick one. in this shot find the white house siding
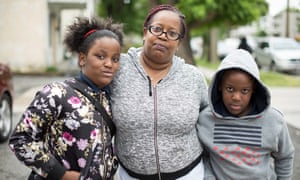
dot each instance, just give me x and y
(24, 34)
(32, 31)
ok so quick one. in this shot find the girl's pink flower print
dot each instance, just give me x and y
(46, 89)
(66, 164)
(94, 134)
(75, 102)
(82, 144)
(28, 121)
(68, 138)
(81, 162)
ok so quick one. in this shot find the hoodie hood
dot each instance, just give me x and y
(242, 60)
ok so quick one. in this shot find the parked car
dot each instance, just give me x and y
(278, 54)
(6, 102)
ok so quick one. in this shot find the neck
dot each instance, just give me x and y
(155, 71)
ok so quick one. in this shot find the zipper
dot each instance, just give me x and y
(155, 132)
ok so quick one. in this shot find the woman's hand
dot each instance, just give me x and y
(71, 175)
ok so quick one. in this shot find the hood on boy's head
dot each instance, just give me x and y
(242, 60)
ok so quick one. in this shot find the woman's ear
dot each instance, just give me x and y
(145, 30)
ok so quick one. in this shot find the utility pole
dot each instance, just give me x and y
(287, 32)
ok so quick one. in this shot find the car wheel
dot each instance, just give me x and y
(5, 117)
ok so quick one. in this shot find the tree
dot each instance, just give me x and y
(130, 14)
(201, 15)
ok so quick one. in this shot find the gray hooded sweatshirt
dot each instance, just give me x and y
(156, 125)
(242, 147)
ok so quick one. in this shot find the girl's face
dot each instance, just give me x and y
(160, 49)
(101, 62)
(237, 88)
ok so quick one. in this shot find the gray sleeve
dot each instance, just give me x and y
(283, 159)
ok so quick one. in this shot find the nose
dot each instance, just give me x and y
(236, 96)
(166, 35)
(108, 62)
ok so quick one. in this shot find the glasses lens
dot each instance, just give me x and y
(157, 31)
(173, 35)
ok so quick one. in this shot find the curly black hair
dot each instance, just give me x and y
(84, 31)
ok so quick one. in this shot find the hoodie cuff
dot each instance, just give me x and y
(57, 172)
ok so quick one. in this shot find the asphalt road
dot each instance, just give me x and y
(286, 99)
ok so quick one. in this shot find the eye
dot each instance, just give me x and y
(173, 34)
(101, 57)
(245, 91)
(229, 89)
(156, 29)
(116, 59)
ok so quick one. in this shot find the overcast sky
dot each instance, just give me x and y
(276, 6)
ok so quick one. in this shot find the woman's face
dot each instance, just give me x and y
(160, 49)
(101, 62)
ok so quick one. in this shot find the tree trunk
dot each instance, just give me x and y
(213, 38)
(185, 50)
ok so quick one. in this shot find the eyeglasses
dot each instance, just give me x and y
(157, 31)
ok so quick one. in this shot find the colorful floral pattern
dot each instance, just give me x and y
(59, 128)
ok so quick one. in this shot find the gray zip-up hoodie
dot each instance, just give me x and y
(242, 147)
(156, 125)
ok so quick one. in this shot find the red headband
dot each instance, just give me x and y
(89, 32)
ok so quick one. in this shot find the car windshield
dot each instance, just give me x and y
(284, 44)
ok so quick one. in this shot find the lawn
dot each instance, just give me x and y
(269, 78)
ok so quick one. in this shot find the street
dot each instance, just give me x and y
(285, 99)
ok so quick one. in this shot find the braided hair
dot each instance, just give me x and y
(167, 7)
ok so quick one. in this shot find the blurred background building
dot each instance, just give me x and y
(32, 31)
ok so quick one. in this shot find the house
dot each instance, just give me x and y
(31, 31)
(282, 24)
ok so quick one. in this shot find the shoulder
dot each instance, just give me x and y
(206, 112)
(187, 68)
(274, 116)
(274, 112)
(57, 87)
(132, 53)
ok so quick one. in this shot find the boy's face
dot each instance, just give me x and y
(237, 88)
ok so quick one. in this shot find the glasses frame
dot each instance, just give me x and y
(163, 32)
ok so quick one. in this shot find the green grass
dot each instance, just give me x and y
(279, 79)
(271, 79)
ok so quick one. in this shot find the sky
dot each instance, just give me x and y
(275, 6)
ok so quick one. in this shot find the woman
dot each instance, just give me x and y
(156, 99)
(61, 134)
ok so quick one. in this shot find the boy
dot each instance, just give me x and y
(240, 130)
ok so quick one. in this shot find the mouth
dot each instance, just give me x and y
(107, 73)
(235, 107)
(160, 46)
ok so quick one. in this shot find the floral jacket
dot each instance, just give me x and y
(58, 130)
